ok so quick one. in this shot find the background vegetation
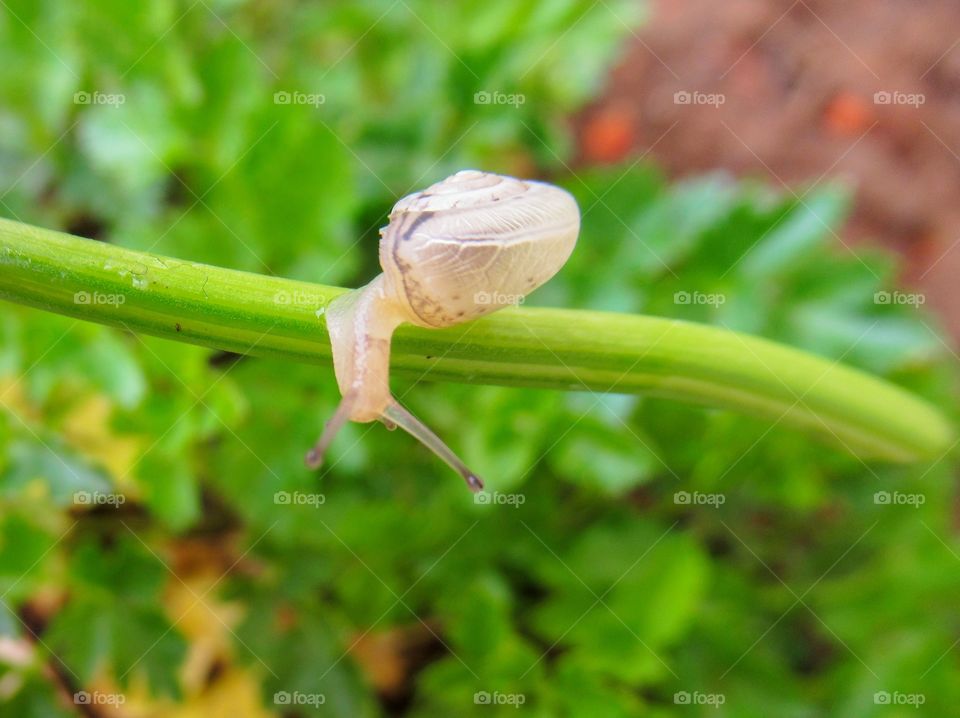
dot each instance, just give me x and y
(797, 592)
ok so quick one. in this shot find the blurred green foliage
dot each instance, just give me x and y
(603, 592)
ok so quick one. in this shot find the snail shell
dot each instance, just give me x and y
(473, 243)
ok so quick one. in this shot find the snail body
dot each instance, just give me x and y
(463, 248)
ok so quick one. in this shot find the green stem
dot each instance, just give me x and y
(561, 349)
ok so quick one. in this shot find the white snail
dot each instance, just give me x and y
(462, 248)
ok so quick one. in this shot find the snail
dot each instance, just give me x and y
(463, 248)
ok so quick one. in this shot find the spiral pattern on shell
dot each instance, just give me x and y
(475, 242)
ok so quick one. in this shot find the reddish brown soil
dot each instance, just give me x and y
(799, 80)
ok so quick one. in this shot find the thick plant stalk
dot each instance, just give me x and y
(561, 349)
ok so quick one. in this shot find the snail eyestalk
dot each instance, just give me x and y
(399, 416)
(314, 458)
